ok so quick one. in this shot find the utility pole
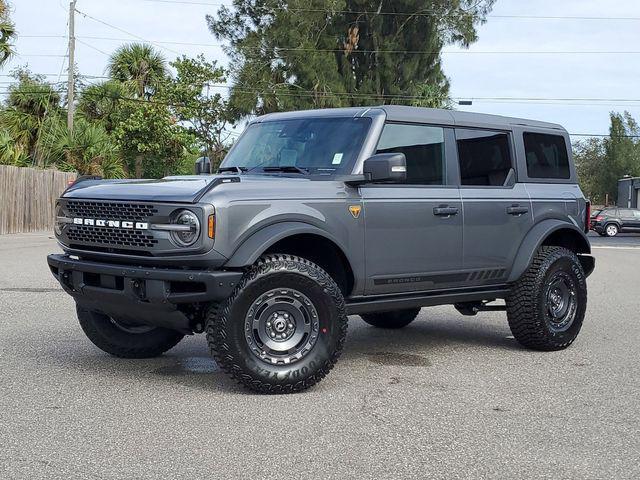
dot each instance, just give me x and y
(70, 81)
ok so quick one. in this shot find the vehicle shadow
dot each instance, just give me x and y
(190, 365)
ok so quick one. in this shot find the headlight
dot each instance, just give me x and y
(188, 235)
(58, 224)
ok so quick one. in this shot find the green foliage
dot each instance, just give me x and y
(7, 33)
(30, 103)
(88, 149)
(149, 138)
(140, 67)
(198, 105)
(293, 54)
(602, 162)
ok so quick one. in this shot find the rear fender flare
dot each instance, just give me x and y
(536, 237)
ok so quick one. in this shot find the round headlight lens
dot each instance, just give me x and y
(186, 237)
(57, 225)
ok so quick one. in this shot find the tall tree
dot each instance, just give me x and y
(139, 66)
(326, 53)
(602, 162)
(198, 104)
(7, 33)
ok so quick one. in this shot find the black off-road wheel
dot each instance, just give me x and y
(124, 339)
(391, 320)
(283, 328)
(546, 306)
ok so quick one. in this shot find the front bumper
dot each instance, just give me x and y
(144, 295)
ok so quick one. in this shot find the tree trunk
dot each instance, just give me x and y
(138, 166)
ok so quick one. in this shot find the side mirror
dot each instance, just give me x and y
(203, 166)
(385, 167)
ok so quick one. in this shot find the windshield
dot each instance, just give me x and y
(313, 145)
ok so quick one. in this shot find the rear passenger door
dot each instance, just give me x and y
(413, 236)
(496, 210)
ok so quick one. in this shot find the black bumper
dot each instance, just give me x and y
(142, 295)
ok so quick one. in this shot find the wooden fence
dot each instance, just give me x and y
(28, 196)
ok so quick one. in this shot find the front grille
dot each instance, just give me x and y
(111, 236)
(111, 210)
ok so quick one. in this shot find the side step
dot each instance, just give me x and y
(385, 303)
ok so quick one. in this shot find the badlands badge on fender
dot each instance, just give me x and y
(355, 210)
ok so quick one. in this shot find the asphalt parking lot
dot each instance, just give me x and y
(447, 397)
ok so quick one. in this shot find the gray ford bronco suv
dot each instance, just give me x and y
(317, 215)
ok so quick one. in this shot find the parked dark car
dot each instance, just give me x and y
(611, 221)
(594, 215)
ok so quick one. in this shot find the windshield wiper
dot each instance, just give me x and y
(287, 169)
(232, 169)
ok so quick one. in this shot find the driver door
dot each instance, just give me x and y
(413, 231)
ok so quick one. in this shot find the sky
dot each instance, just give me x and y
(575, 60)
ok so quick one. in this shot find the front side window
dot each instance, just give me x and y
(317, 145)
(423, 147)
(547, 156)
(484, 156)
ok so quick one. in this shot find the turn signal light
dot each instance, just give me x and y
(211, 227)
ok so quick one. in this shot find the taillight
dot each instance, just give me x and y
(599, 218)
(587, 219)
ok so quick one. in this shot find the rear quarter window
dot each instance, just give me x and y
(547, 156)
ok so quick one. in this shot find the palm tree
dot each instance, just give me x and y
(140, 66)
(7, 33)
(100, 102)
(30, 104)
(87, 149)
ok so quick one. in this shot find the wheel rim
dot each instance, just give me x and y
(281, 326)
(560, 302)
(612, 230)
(129, 328)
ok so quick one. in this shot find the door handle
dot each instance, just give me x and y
(445, 211)
(517, 210)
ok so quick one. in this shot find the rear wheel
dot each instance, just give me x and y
(125, 340)
(547, 304)
(611, 230)
(283, 328)
(391, 320)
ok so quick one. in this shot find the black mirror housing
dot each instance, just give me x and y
(385, 168)
(203, 166)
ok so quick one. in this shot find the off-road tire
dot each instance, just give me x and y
(391, 320)
(225, 326)
(527, 304)
(107, 336)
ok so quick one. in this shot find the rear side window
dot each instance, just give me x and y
(423, 147)
(484, 156)
(547, 156)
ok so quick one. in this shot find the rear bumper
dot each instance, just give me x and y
(143, 295)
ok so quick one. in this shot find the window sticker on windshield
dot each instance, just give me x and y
(337, 159)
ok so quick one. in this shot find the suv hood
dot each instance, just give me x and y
(187, 189)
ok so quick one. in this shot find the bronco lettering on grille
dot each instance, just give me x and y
(95, 222)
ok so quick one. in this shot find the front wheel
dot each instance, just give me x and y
(546, 306)
(282, 329)
(125, 340)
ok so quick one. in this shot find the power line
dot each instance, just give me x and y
(421, 13)
(86, 15)
(92, 47)
(338, 50)
(603, 102)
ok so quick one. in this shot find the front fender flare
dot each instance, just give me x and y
(251, 249)
(535, 238)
